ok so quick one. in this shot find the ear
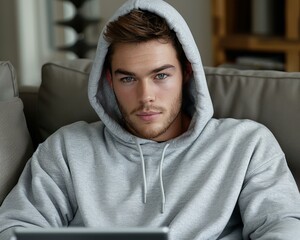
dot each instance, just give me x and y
(108, 77)
(187, 72)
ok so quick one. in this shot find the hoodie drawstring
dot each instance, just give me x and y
(144, 172)
(163, 197)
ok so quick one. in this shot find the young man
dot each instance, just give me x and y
(157, 158)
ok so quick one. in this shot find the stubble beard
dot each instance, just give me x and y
(148, 131)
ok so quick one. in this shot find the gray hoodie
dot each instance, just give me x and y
(222, 179)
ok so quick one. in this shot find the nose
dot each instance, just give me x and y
(146, 92)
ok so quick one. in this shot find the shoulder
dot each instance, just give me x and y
(79, 128)
(241, 127)
(246, 134)
(76, 132)
(70, 142)
(249, 142)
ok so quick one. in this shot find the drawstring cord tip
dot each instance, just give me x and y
(162, 208)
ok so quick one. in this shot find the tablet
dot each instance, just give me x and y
(82, 233)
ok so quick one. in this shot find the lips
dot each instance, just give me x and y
(148, 116)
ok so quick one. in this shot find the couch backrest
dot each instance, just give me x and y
(269, 97)
(62, 97)
(15, 142)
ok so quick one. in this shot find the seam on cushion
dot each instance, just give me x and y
(14, 83)
(12, 76)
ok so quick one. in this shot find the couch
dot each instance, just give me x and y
(269, 97)
(15, 141)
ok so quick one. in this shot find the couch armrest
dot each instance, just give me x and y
(15, 142)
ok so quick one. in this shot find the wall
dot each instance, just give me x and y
(9, 36)
(25, 41)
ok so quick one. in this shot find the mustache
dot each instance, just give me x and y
(147, 108)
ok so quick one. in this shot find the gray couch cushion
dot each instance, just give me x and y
(15, 142)
(62, 97)
(269, 97)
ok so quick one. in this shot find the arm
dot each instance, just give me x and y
(44, 195)
(270, 200)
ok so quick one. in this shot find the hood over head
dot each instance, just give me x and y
(196, 99)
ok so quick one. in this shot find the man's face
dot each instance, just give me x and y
(147, 80)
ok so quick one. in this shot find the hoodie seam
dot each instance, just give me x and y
(255, 170)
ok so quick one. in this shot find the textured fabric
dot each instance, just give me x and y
(62, 97)
(268, 97)
(222, 179)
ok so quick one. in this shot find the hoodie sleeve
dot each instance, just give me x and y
(270, 200)
(44, 195)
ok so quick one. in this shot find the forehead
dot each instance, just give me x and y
(153, 53)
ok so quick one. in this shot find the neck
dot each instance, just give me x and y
(185, 123)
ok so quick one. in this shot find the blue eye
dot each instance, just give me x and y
(161, 76)
(127, 79)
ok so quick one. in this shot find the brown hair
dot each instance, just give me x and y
(141, 26)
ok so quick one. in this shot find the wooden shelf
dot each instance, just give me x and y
(257, 43)
(232, 32)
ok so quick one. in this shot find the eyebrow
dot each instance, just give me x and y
(156, 70)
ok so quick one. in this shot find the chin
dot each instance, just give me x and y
(151, 134)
